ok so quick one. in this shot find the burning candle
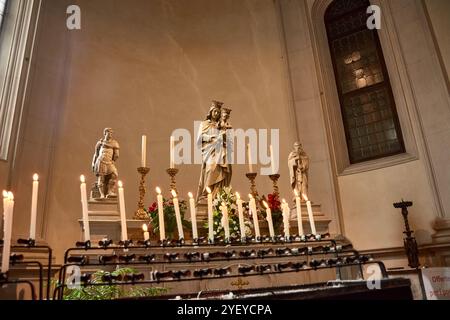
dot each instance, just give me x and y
(210, 216)
(123, 215)
(144, 152)
(286, 214)
(255, 216)
(193, 216)
(84, 207)
(298, 204)
(226, 223)
(176, 205)
(269, 220)
(172, 154)
(34, 199)
(8, 209)
(162, 230)
(241, 215)
(250, 160)
(146, 233)
(310, 214)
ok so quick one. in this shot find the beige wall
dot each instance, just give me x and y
(144, 67)
(439, 15)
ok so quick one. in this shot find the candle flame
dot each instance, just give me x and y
(120, 184)
(284, 201)
(190, 195)
(266, 205)
(238, 196)
(35, 177)
(158, 190)
(10, 196)
(82, 179)
(305, 197)
(250, 196)
(5, 194)
(144, 228)
(208, 189)
(174, 193)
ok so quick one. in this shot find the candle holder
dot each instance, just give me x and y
(412, 251)
(27, 242)
(83, 244)
(140, 213)
(252, 176)
(172, 172)
(275, 178)
(3, 277)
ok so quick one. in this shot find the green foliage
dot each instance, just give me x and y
(110, 292)
(170, 221)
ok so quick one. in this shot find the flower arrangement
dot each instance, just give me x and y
(169, 217)
(227, 196)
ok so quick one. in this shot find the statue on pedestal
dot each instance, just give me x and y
(298, 163)
(212, 140)
(104, 167)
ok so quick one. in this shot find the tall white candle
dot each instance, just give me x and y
(254, 213)
(226, 223)
(210, 216)
(162, 228)
(286, 214)
(269, 220)
(172, 152)
(298, 204)
(176, 205)
(193, 216)
(272, 160)
(8, 230)
(310, 215)
(34, 199)
(250, 160)
(84, 207)
(144, 152)
(241, 215)
(146, 233)
(123, 215)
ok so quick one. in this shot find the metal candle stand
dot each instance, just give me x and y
(275, 178)
(29, 246)
(140, 213)
(172, 172)
(343, 256)
(251, 177)
(412, 251)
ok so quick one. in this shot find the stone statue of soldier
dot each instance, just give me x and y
(298, 163)
(104, 167)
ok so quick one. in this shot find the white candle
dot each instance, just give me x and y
(193, 216)
(210, 216)
(123, 215)
(144, 152)
(176, 205)
(269, 220)
(286, 214)
(34, 199)
(162, 229)
(272, 160)
(146, 233)
(172, 150)
(8, 230)
(226, 223)
(310, 214)
(298, 204)
(241, 215)
(250, 160)
(84, 207)
(254, 213)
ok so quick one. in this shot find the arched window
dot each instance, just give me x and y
(368, 108)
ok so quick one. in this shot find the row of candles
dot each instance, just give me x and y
(224, 210)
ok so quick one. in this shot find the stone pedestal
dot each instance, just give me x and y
(442, 227)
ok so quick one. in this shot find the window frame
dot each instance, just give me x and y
(386, 83)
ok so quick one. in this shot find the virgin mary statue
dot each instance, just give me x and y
(212, 140)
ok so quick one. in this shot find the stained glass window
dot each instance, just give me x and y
(368, 108)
